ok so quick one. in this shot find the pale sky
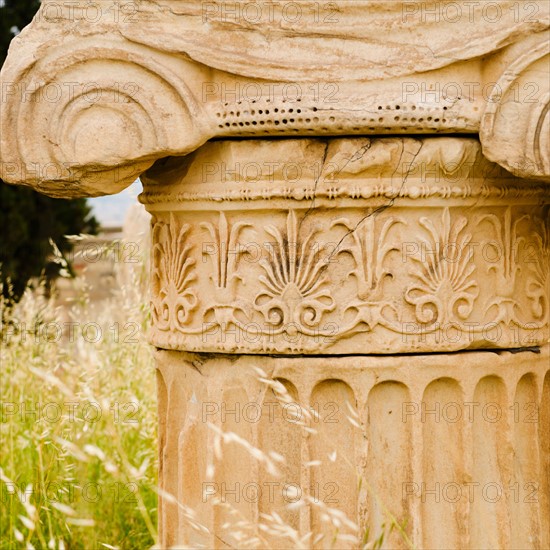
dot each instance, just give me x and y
(111, 210)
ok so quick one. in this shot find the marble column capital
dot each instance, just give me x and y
(94, 93)
(346, 246)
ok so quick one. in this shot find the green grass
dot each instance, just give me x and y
(78, 433)
(81, 471)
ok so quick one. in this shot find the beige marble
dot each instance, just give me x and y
(292, 267)
(362, 255)
(346, 246)
(455, 448)
(94, 96)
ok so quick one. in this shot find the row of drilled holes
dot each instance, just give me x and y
(316, 121)
(261, 112)
(290, 111)
(412, 107)
(267, 100)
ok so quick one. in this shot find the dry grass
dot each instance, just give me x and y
(81, 471)
(78, 466)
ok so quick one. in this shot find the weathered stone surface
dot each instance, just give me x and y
(313, 41)
(305, 248)
(365, 254)
(386, 245)
(455, 447)
(91, 103)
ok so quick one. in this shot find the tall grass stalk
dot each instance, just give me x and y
(78, 425)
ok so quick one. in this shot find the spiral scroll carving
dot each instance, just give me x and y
(99, 113)
(516, 123)
(89, 105)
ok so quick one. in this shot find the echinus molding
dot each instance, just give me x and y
(93, 95)
(346, 246)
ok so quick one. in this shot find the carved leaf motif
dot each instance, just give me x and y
(445, 291)
(225, 239)
(538, 282)
(225, 270)
(369, 251)
(294, 298)
(506, 267)
(172, 274)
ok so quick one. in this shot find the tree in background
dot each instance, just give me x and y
(28, 220)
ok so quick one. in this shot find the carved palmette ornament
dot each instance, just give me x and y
(347, 246)
(172, 275)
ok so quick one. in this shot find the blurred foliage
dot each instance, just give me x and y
(14, 13)
(28, 219)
